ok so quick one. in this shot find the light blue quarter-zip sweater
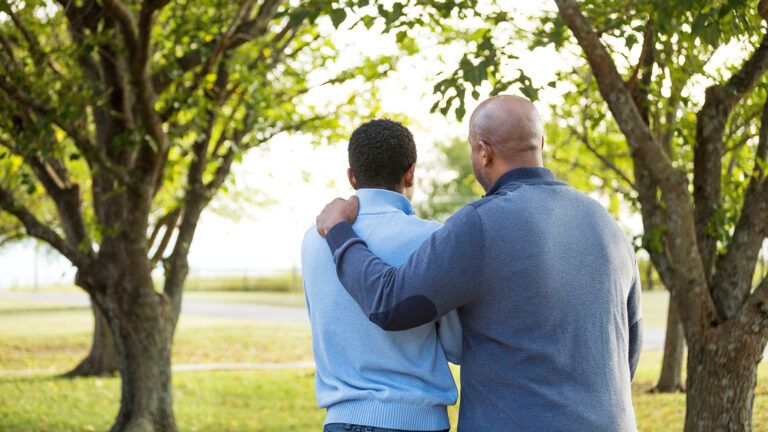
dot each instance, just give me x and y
(365, 375)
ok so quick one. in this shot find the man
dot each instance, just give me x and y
(545, 282)
(369, 379)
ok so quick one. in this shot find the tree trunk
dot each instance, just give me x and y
(648, 276)
(142, 327)
(671, 379)
(102, 359)
(721, 381)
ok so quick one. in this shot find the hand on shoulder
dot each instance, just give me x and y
(338, 210)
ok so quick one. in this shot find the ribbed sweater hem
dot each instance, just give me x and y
(389, 415)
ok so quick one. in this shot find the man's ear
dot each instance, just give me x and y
(352, 179)
(486, 153)
(542, 143)
(409, 176)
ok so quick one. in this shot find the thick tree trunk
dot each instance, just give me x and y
(142, 323)
(102, 359)
(143, 332)
(722, 374)
(671, 379)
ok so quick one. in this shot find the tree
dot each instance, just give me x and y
(589, 152)
(101, 359)
(448, 184)
(704, 220)
(712, 269)
(119, 122)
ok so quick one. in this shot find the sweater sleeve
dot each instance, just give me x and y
(449, 335)
(635, 315)
(443, 274)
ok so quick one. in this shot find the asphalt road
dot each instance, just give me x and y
(653, 336)
(240, 311)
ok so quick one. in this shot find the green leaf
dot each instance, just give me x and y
(299, 17)
(460, 110)
(338, 16)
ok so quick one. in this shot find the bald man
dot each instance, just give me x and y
(544, 280)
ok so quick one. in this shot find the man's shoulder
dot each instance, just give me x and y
(313, 242)
(397, 224)
(394, 236)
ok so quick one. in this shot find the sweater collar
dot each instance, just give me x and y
(528, 175)
(374, 201)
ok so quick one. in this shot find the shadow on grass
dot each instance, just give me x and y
(28, 379)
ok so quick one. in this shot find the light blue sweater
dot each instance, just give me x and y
(365, 375)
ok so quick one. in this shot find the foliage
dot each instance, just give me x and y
(267, 87)
(447, 184)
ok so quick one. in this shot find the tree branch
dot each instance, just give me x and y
(673, 184)
(584, 138)
(93, 155)
(38, 54)
(756, 309)
(644, 52)
(128, 27)
(243, 33)
(169, 221)
(38, 230)
(719, 102)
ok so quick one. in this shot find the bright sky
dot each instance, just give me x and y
(301, 178)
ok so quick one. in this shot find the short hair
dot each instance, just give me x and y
(380, 153)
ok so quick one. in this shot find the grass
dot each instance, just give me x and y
(286, 282)
(40, 337)
(54, 339)
(203, 401)
(655, 308)
(258, 297)
(282, 282)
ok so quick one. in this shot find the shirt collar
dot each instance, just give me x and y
(374, 201)
(528, 175)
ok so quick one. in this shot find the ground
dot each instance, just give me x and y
(47, 339)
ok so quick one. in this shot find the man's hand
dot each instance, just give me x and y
(336, 211)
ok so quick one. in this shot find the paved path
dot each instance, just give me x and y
(186, 367)
(653, 336)
(242, 311)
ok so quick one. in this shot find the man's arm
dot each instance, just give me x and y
(443, 274)
(635, 315)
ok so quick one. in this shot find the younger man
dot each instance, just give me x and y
(366, 378)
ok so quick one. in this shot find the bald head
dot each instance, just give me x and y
(505, 132)
(509, 124)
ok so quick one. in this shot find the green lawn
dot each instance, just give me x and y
(40, 337)
(655, 308)
(259, 297)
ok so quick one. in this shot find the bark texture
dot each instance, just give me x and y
(671, 378)
(102, 359)
(721, 383)
(143, 332)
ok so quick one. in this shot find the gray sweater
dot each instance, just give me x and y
(548, 293)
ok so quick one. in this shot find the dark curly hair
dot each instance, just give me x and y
(380, 153)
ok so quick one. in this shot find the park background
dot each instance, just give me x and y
(242, 351)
